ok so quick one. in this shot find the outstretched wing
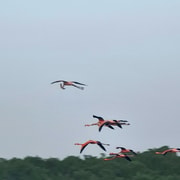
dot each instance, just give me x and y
(98, 117)
(127, 157)
(100, 145)
(109, 126)
(83, 147)
(58, 81)
(133, 152)
(79, 83)
(122, 148)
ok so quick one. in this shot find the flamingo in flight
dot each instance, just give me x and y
(101, 122)
(109, 123)
(118, 155)
(69, 83)
(173, 150)
(124, 150)
(83, 145)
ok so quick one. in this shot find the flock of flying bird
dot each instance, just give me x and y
(123, 153)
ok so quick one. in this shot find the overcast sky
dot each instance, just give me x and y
(127, 52)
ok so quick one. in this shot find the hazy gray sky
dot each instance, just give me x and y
(126, 51)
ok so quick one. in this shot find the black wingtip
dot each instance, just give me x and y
(128, 158)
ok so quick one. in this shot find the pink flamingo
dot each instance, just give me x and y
(173, 150)
(124, 150)
(83, 145)
(109, 123)
(118, 155)
(101, 120)
(69, 83)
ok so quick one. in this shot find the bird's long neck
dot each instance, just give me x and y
(109, 159)
(77, 144)
(91, 124)
(159, 152)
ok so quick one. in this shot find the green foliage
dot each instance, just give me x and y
(145, 166)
